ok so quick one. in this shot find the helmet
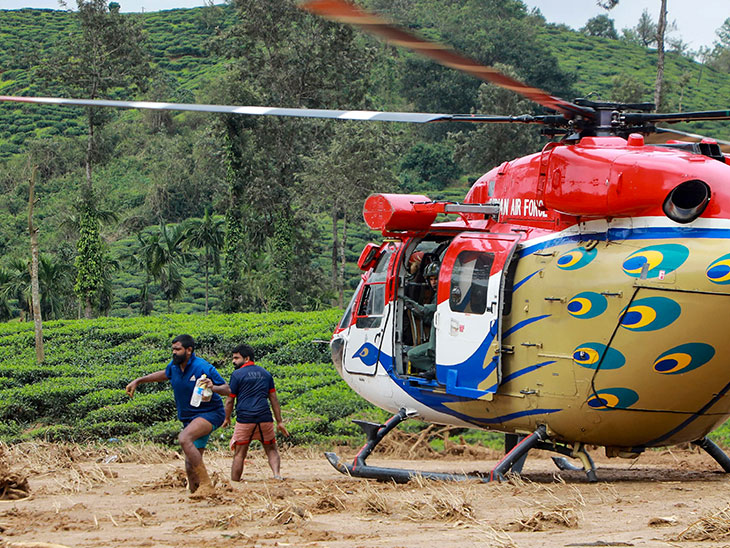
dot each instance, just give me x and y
(431, 270)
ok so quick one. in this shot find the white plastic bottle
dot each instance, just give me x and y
(198, 392)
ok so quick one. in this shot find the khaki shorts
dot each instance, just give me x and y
(245, 432)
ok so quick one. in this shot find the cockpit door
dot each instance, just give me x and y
(469, 314)
(364, 338)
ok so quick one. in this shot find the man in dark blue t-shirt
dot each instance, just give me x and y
(254, 388)
(184, 371)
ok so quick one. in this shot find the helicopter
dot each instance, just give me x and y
(578, 294)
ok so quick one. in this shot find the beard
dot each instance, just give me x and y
(178, 359)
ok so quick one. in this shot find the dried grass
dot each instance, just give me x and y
(325, 501)
(556, 517)
(713, 528)
(495, 538)
(173, 479)
(42, 457)
(82, 478)
(414, 446)
(13, 484)
(375, 502)
(290, 513)
(446, 503)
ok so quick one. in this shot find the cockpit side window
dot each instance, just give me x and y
(469, 282)
(347, 316)
(372, 302)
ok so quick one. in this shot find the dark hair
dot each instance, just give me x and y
(185, 340)
(245, 351)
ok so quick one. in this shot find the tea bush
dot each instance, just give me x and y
(77, 394)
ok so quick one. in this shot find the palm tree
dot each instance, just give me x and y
(168, 255)
(143, 257)
(5, 311)
(160, 255)
(17, 286)
(54, 279)
(207, 235)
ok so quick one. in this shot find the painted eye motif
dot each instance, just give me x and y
(367, 353)
(657, 258)
(650, 314)
(588, 355)
(683, 358)
(576, 258)
(613, 398)
(719, 271)
(587, 305)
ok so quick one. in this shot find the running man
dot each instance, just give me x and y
(183, 372)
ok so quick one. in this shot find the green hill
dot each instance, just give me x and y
(148, 167)
(595, 62)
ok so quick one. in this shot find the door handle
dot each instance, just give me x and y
(436, 320)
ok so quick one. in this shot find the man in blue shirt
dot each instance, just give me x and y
(254, 388)
(183, 372)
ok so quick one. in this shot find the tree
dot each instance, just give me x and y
(143, 258)
(627, 88)
(206, 235)
(648, 33)
(168, 256)
(646, 30)
(489, 32)
(281, 56)
(719, 57)
(600, 25)
(491, 144)
(339, 176)
(54, 280)
(106, 54)
(35, 289)
(661, 29)
(430, 163)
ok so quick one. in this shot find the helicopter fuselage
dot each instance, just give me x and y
(594, 303)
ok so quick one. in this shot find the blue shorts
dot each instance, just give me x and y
(214, 418)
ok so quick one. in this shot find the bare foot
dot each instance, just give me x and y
(205, 491)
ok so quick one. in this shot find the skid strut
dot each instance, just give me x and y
(715, 452)
(376, 432)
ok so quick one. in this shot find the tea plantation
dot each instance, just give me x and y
(77, 394)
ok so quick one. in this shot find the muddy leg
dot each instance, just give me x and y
(272, 453)
(194, 467)
(239, 457)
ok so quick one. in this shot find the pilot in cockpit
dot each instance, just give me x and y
(422, 357)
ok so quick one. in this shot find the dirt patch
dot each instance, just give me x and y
(13, 484)
(82, 498)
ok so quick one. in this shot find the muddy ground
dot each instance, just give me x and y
(135, 496)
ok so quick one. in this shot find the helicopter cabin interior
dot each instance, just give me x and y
(477, 271)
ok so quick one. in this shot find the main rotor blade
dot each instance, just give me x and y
(343, 12)
(662, 135)
(365, 115)
(642, 117)
(371, 115)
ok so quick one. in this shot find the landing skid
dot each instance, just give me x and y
(577, 452)
(517, 451)
(715, 452)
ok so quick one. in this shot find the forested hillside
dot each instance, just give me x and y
(283, 197)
